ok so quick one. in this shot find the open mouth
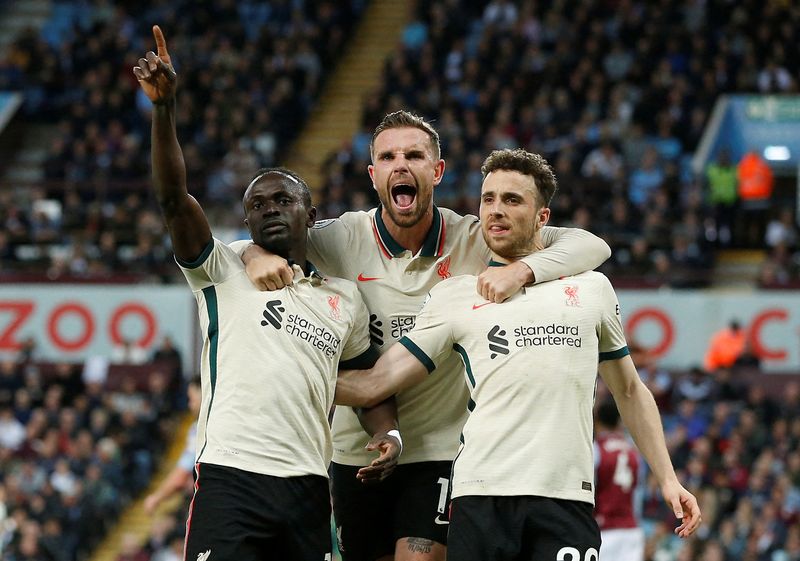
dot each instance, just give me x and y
(404, 195)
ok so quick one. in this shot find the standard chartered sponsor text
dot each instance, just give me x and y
(317, 336)
(550, 334)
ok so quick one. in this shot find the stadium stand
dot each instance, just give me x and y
(75, 450)
(249, 81)
(616, 94)
(619, 114)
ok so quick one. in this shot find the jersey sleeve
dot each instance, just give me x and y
(356, 350)
(215, 264)
(567, 251)
(328, 242)
(432, 338)
(239, 246)
(612, 343)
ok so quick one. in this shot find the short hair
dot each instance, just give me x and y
(608, 414)
(305, 192)
(403, 119)
(195, 381)
(526, 163)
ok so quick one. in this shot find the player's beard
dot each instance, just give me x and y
(519, 246)
(409, 219)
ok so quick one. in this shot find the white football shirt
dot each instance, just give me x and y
(531, 368)
(269, 364)
(394, 284)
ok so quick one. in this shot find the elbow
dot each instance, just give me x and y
(604, 250)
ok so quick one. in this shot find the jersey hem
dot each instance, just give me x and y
(418, 353)
(200, 259)
(614, 355)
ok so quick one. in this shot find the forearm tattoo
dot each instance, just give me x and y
(419, 545)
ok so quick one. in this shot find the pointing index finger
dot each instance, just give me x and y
(161, 43)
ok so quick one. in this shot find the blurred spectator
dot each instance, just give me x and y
(697, 387)
(782, 229)
(128, 352)
(646, 178)
(603, 163)
(725, 347)
(722, 195)
(755, 190)
(181, 474)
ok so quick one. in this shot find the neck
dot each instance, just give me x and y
(413, 237)
(297, 252)
(520, 253)
(500, 259)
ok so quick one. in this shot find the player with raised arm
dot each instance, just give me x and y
(616, 466)
(396, 253)
(269, 360)
(522, 479)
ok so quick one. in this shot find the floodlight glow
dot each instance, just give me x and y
(777, 153)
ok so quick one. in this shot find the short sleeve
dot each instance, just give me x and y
(612, 336)
(432, 339)
(239, 246)
(216, 263)
(328, 242)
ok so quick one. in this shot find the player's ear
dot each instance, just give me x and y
(543, 216)
(371, 171)
(438, 172)
(312, 216)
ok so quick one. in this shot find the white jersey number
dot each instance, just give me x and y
(623, 474)
(572, 554)
(443, 484)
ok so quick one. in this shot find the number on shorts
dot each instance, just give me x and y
(575, 555)
(444, 484)
(623, 474)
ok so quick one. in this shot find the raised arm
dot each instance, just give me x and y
(396, 370)
(639, 412)
(187, 225)
(567, 251)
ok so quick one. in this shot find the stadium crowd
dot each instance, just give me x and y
(615, 95)
(77, 444)
(248, 82)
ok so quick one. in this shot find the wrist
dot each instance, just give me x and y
(526, 274)
(396, 434)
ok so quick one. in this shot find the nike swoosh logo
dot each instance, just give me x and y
(476, 306)
(439, 521)
(362, 278)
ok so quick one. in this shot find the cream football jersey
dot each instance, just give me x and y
(530, 368)
(394, 284)
(269, 364)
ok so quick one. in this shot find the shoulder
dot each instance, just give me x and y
(357, 221)
(454, 286)
(589, 278)
(452, 218)
(351, 218)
